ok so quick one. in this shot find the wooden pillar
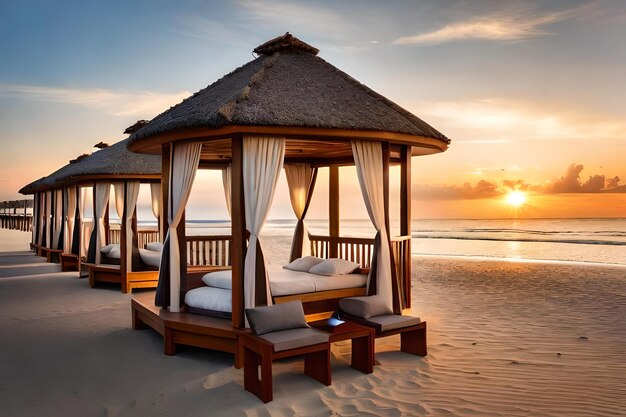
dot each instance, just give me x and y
(397, 289)
(182, 250)
(238, 231)
(124, 245)
(405, 218)
(333, 211)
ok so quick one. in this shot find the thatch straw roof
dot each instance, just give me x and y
(114, 161)
(288, 86)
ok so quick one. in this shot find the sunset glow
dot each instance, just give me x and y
(516, 198)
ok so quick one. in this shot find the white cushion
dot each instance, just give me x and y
(155, 246)
(303, 264)
(209, 298)
(219, 279)
(334, 266)
(108, 248)
(295, 338)
(150, 258)
(364, 307)
(276, 317)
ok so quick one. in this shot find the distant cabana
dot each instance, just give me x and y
(111, 255)
(38, 238)
(286, 109)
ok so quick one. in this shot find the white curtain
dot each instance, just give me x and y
(35, 225)
(118, 188)
(103, 189)
(41, 216)
(184, 158)
(226, 181)
(70, 212)
(132, 194)
(48, 218)
(262, 162)
(155, 196)
(300, 178)
(368, 158)
(81, 221)
(58, 217)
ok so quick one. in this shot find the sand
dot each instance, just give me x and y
(514, 339)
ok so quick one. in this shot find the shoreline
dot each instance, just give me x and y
(518, 260)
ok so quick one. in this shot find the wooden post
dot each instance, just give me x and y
(405, 218)
(238, 230)
(333, 211)
(182, 250)
(124, 267)
(397, 289)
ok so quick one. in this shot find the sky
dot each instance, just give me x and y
(530, 93)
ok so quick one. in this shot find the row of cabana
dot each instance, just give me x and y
(59, 230)
(286, 109)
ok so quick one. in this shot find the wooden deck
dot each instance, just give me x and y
(113, 274)
(186, 329)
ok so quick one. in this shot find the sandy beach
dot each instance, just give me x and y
(505, 338)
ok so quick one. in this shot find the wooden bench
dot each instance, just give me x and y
(69, 262)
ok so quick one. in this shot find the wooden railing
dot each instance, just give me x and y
(16, 221)
(361, 250)
(114, 235)
(143, 236)
(209, 250)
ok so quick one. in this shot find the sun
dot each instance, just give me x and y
(516, 198)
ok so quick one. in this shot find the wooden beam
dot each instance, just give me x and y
(333, 210)
(405, 218)
(238, 248)
(124, 245)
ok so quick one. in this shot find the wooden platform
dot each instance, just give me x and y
(69, 262)
(186, 329)
(113, 274)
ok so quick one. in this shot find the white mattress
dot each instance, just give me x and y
(286, 282)
(150, 258)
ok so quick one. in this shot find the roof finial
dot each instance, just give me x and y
(287, 42)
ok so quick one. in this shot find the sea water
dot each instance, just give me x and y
(578, 240)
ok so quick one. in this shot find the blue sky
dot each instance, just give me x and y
(524, 89)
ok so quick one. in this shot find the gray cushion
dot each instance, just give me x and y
(364, 307)
(108, 248)
(393, 321)
(334, 266)
(219, 279)
(295, 338)
(155, 246)
(303, 264)
(276, 317)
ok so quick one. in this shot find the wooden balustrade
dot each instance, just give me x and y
(361, 250)
(209, 250)
(16, 222)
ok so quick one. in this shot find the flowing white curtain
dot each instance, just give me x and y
(118, 188)
(227, 181)
(155, 196)
(35, 225)
(70, 217)
(132, 194)
(301, 180)
(41, 214)
(48, 218)
(81, 221)
(368, 158)
(103, 189)
(184, 158)
(58, 217)
(262, 161)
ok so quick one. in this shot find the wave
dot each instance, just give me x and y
(503, 239)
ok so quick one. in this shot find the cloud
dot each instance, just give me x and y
(500, 120)
(515, 24)
(129, 103)
(484, 189)
(571, 183)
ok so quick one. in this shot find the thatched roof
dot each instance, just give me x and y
(115, 161)
(288, 85)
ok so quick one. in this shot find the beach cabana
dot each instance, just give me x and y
(288, 109)
(62, 197)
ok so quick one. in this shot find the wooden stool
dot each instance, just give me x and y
(261, 352)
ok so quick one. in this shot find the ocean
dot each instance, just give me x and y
(575, 240)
